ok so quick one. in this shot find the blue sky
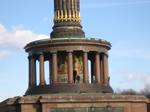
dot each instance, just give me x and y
(125, 23)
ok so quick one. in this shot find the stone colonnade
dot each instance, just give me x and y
(99, 68)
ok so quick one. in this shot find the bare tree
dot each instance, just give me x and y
(146, 91)
(126, 92)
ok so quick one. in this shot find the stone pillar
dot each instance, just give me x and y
(29, 61)
(102, 68)
(33, 64)
(105, 68)
(54, 67)
(97, 62)
(42, 77)
(50, 70)
(85, 67)
(32, 71)
(70, 67)
(92, 71)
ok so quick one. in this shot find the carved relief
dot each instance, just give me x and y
(78, 67)
(62, 68)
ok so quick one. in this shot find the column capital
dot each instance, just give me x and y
(97, 52)
(86, 51)
(104, 54)
(53, 52)
(69, 51)
(40, 53)
(31, 56)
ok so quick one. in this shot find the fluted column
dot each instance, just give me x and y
(97, 61)
(67, 19)
(42, 77)
(54, 67)
(85, 67)
(66, 10)
(70, 67)
(105, 65)
(78, 5)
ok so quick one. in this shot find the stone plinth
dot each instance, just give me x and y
(76, 103)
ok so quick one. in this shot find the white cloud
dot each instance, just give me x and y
(17, 37)
(2, 28)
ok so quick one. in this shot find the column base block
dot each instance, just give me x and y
(69, 88)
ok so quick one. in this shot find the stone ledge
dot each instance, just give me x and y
(79, 98)
(68, 40)
(75, 98)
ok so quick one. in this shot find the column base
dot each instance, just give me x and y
(69, 88)
(42, 83)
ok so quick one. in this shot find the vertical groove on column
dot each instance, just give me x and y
(68, 4)
(60, 2)
(75, 5)
(72, 4)
(64, 4)
(78, 5)
(69, 9)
